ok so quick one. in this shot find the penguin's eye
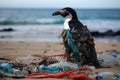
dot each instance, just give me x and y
(62, 11)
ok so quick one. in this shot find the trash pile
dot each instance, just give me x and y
(57, 66)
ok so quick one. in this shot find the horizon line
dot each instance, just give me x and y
(48, 8)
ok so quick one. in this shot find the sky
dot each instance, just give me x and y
(59, 3)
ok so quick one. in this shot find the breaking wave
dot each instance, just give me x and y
(30, 22)
(46, 21)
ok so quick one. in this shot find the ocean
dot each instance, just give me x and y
(40, 25)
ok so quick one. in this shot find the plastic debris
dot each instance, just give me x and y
(6, 66)
(106, 76)
(117, 75)
(26, 60)
(117, 59)
(18, 73)
(107, 60)
(66, 64)
(57, 66)
(49, 68)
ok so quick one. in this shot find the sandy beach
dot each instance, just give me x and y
(19, 49)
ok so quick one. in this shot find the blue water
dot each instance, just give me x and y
(44, 16)
(40, 25)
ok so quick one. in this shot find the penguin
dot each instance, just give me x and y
(78, 41)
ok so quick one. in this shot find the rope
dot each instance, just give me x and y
(62, 74)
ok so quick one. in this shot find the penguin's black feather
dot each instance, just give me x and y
(76, 24)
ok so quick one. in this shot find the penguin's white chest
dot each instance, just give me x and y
(66, 23)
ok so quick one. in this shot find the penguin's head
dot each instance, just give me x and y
(66, 12)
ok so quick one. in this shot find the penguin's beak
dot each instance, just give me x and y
(56, 13)
(63, 13)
